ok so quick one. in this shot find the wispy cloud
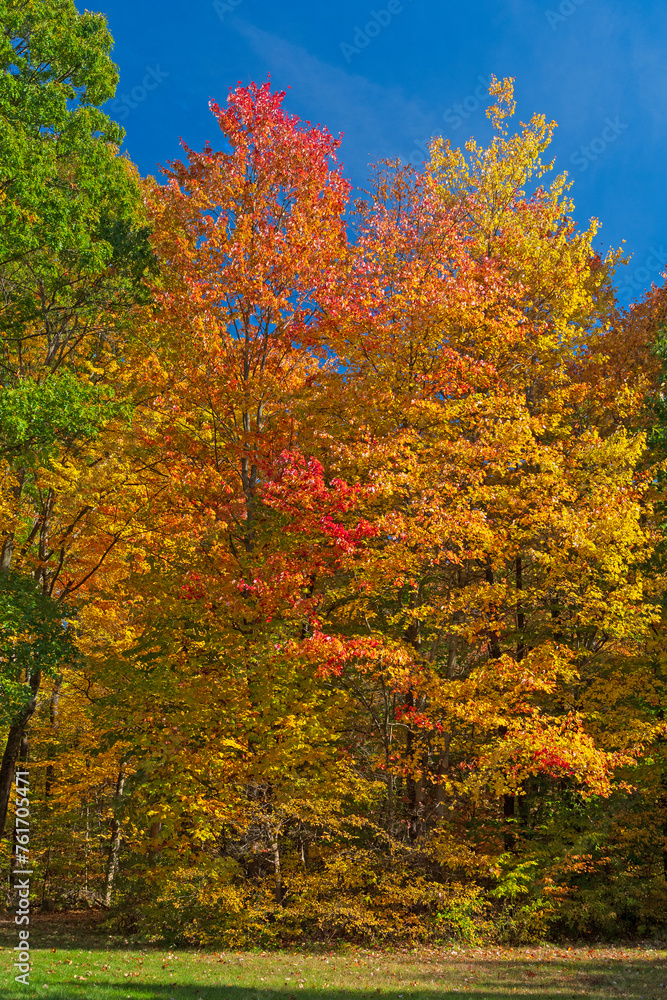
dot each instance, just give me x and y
(376, 121)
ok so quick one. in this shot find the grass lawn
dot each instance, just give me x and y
(74, 958)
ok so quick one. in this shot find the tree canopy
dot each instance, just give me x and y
(333, 540)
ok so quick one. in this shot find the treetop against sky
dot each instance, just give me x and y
(391, 75)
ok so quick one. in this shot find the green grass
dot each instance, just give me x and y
(73, 960)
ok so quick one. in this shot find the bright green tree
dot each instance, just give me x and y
(73, 252)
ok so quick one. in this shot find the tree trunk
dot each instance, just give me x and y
(12, 749)
(303, 847)
(509, 838)
(520, 614)
(23, 758)
(418, 794)
(53, 715)
(663, 782)
(494, 638)
(390, 800)
(414, 790)
(277, 877)
(48, 786)
(8, 542)
(114, 845)
(153, 835)
(443, 767)
(511, 802)
(452, 653)
(7, 553)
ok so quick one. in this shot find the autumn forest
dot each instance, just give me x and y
(333, 593)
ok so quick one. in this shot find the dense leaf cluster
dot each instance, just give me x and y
(359, 509)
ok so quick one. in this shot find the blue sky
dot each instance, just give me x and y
(391, 74)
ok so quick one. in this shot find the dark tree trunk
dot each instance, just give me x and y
(663, 802)
(23, 758)
(494, 639)
(520, 615)
(415, 785)
(509, 838)
(443, 767)
(13, 749)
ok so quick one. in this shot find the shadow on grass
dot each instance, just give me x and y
(176, 992)
(555, 975)
(513, 980)
(71, 930)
